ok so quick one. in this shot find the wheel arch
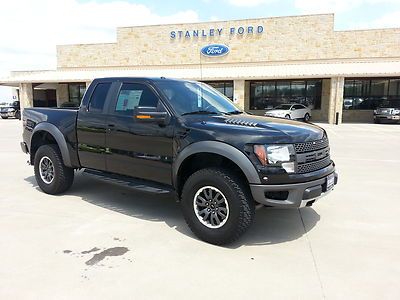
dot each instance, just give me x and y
(227, 152)
(47, 133)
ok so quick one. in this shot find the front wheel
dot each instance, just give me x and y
(287, 116)
(217, 206)
(52, 176)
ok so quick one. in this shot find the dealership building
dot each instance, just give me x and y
(341, 75)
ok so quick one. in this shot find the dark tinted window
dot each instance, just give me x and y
(271, 93)
(99, 97)
(76, 92)
(133, 95)
(298, 107)
(224, 87)
(366, 93)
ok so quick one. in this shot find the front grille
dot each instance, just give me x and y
(313, 166)
(312, 156)
(311, 146)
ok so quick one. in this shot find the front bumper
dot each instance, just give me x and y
(10, 114)
(387, 117)
(291, 195)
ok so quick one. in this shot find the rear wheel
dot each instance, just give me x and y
(287, 116)
(52, 176)
(217, 206)
(307, 117)
(18, 115)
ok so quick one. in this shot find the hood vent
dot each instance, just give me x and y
(241, 122)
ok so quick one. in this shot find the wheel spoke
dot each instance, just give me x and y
(200, 201)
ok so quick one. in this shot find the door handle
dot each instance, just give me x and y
(110, 127)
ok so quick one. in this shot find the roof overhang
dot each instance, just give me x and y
(216, 72)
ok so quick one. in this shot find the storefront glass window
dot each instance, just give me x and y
(271, 93)
(225, 87)
(368, 93)
(76, 92)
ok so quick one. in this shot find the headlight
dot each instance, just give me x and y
(396, 111)
(10, 109)
(375, 112)
(276, 155)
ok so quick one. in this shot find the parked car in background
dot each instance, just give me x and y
(290, 111)
(388, 112)
(11, 111)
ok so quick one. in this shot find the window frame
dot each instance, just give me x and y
(161, 106)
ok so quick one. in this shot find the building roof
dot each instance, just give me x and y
(217, 72)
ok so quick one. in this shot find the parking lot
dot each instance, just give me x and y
(104, 241)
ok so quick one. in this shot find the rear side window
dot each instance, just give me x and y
(99, 97)
(133, 95)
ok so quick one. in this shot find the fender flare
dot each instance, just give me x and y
(220, 148)
(58, 136)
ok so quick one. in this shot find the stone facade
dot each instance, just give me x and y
(280, 41)
(299, 38)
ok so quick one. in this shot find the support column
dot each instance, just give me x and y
(62, 94)
(26, 95)
(238, 93)
(336, 100)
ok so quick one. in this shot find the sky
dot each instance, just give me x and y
(31, 29)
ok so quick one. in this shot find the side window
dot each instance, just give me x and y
(298, 107)
(99, 97)
(133, 95)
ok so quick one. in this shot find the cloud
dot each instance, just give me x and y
(249, 3)
(32, 29)
(389, 20)
(337, 6)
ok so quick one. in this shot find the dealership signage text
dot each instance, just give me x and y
(195, 33)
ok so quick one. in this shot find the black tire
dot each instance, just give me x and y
(241, 206)
(63, 176)
(4, 117)
(18, 115)
(307, 117)
(377, 121)
(287, 116)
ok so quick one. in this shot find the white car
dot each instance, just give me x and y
(290, 111)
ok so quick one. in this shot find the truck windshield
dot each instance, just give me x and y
(196, 98)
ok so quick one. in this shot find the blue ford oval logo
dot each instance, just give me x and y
(215, 50)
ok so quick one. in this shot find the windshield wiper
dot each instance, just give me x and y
(235, 112)
(199, 112)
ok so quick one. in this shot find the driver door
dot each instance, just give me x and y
(136, 147)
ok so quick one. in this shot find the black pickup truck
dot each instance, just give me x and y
(182, 137)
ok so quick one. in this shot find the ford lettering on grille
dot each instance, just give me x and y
(215, 50)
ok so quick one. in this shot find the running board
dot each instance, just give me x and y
(134, 183)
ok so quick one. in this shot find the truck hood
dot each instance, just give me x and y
(256, 129)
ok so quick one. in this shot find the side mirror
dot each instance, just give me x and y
(150, 115)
